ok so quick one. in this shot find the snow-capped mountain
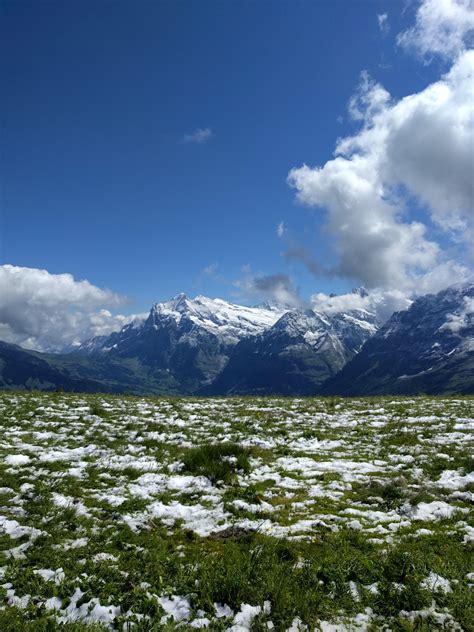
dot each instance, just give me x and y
(227, 321)
(104, 343)
(426, 348)
(188, 339)
(190, 342)
(296, 355)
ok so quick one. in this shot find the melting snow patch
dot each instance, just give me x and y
(436, 510)
(90, 612)
(67, 502)
(202, 520)
(243, 620)
(443, 619)
(436, 582)
(297, 626)
(360, 623)
(450, 479)
(48, 575)
(13, 600)
(176, 608)
(105, 557)
(15, 530)
(223, 611)
(53, 603)
(253, 508)
(17, 459)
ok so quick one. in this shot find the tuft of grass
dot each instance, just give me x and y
(218, 462)
(392, 493)
(98, 410)
(454, 460)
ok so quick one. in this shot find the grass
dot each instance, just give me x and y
(389, 495)
(307, 578)
(219, 462)
(100, 452)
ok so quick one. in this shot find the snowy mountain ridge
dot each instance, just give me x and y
(228, 321)
(296, 354)
(192, 341)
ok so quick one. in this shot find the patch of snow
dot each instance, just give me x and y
(176, 607)
(450, 479)
(48, 575)
(243, 619)
(435, 510)
(17, 459)
(436, 582)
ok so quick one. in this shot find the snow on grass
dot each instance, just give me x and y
(435, 510)
(436, 582)
(265, 513)
(17, 459)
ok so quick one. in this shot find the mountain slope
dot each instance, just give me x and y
(428, 348)
(294, 356)
(22, 369)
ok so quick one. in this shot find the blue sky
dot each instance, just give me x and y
(97, 178)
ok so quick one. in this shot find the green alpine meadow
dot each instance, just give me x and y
(245, 513)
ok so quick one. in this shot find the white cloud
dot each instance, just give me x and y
(44, 311)
(212, 270)
(380, 302)
(199, 136)
(369, 100)
(382, 19)
(461, 319)
(281, 229)
(421, 144)
(442, 27)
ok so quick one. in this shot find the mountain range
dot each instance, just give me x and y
(206, 346)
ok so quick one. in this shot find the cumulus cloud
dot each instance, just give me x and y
(369, 100)
(418, 147)
(44, 311)
(276, 288)
(199, 136)
(443, 28)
